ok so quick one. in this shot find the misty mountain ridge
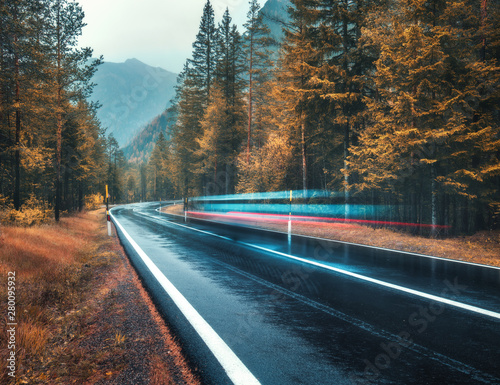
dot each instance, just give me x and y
(131, 95)
(139, 148)
(276, 15)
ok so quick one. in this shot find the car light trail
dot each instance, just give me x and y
(267, 217)
(319, 206)
(297, 194)
(362, 277)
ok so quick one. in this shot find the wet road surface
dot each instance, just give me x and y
(315, 311)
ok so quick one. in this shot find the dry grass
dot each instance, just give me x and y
(53, 266)
(160, 376)
(483, 247)
(173, 209)
(70, 316)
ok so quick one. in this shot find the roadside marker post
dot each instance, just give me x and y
(108, 218)
(185, 209)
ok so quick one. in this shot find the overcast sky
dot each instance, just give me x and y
(157, 32)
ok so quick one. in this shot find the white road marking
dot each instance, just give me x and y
(418, 293)
(383, 283)
(235, 369)
(449, 260)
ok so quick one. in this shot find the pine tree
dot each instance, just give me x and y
(160, 169)
(91, 146)
(217, 64)
(343, 69)
(229, 67)
(71, 74)
(186, 130)
(429, 131)
(116, 164)
(193, 90)
(256, 45)
(227, 122)
(29, 107)
(297, 60)
(18, 69)
(203, 61)
(220, 143)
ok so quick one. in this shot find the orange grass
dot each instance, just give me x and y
(483, 247)
(47, 261)
(30, 249)
(159, 373)
(67, 275)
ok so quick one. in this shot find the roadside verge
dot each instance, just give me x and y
(81, 313)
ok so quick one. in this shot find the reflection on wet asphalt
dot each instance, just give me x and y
(294, 323)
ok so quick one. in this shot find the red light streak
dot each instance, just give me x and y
(307, 219)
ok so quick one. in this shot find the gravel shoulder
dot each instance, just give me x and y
(148, 353)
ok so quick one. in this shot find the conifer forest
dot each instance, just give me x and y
(391, 102)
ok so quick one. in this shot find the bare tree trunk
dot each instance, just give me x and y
(80, 196)
(154, 186)
(433, 201)
(215, 168)
(250, 100)
(59, 119)
(58, 156)
(484, 15)
(17, 152)
(346, 171)
(304, 154)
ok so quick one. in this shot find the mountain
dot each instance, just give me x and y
(131, 94)
(276, 17)
(141, 146)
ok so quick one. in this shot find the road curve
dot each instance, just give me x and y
(250, 308)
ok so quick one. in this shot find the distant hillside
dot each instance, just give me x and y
(275, 16)
(131, 94)
(141, 146)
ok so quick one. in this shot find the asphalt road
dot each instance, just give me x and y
(250, 308)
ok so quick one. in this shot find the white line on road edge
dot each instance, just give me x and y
(450, 260)
(235, 369)
(386, 284)
(450, 302)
